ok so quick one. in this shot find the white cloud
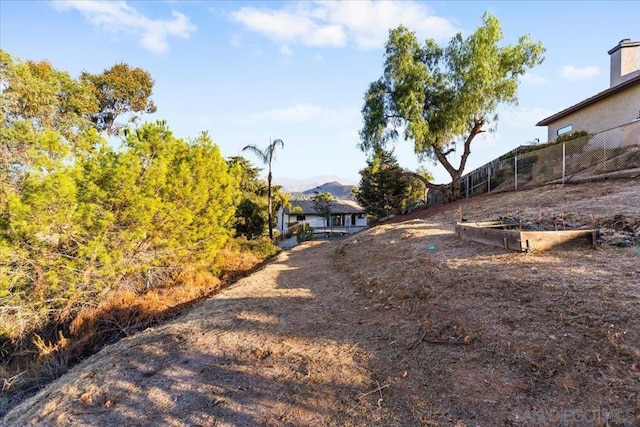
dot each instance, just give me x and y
(534, 79)
(301, 113)
(286, 50)
(364, 23)
(288, 27)
(368, 22)
(571, 72)
(523, 118)
(119, 17)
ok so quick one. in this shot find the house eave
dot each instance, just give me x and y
(597, 97)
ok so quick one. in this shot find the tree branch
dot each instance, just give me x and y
(394, 116)
(477, 128)
(442, 158)
(449, 151)
(425, 181)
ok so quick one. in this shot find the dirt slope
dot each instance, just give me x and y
(403, 324)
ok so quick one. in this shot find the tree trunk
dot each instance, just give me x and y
(451, 192)
(269, 205)
(454, 188)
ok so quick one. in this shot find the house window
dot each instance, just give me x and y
(300, 217)
(565, 129)
(337, 220)
(360, 216)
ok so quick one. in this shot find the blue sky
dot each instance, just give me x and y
(248, 72)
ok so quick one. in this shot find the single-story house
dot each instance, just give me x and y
(347, 217)
(616, 106)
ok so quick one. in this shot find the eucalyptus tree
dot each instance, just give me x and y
(443, 97)
(119, 90)
(266, 156)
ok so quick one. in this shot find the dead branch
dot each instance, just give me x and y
(418, 342)
(379, 389)
(446, 342)
(424, 338)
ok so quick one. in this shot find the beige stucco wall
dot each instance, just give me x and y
(613, 111)
(624, 64)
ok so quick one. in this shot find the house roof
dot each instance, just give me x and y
(595, 98)
(337, 207)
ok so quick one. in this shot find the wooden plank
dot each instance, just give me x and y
(545, 240)
(508, 239)
(486, 224)
(516, 240)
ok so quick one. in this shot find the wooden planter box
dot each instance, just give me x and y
(496, 234)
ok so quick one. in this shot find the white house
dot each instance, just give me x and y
(347, 217)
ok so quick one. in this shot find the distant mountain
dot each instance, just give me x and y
(292, 185)
(338, 190)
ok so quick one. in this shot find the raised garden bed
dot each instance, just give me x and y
(496, 233)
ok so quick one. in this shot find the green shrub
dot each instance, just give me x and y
(568, 137)
(304, 233)
(261, 247)
(581, 137)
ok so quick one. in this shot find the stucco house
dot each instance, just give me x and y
(347, 217)
(616, 106)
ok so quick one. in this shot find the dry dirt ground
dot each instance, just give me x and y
(402, 325)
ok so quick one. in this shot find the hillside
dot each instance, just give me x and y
(292, 185)
(338, 190)
(403, 324)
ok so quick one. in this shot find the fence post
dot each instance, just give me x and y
(488, 180)
(467, 187)
(604, 153)
(515, 164)
(564, 162)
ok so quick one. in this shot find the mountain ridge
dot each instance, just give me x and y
(295, 185)
(338, 190)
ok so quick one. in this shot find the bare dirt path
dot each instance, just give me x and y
(278, 346)
(401, 325)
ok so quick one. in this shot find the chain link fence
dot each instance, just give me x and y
(583, 158)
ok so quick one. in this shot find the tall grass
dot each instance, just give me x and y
(41, 353)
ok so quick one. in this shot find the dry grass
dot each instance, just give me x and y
(379, 329)
(59, 345)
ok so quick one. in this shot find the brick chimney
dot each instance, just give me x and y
(625, 61)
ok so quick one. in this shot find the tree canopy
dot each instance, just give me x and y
(78, 216)
(385, 188)
(323, 205)
(42, 115)
(118, 91)
(251, 215)
(90, 230)
(441, 98)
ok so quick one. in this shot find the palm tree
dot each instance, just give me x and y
(266, 156)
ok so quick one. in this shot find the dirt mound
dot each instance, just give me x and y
(404, 324)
